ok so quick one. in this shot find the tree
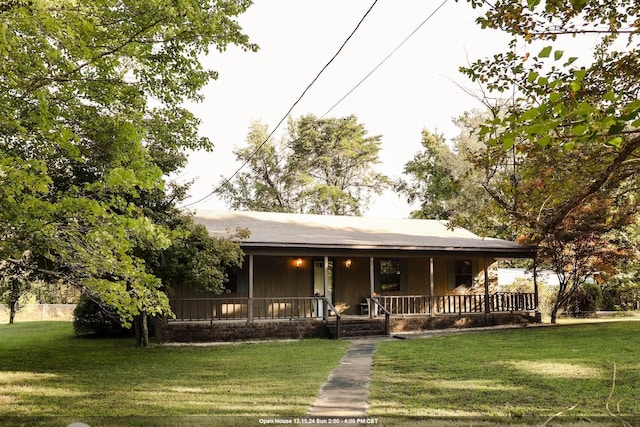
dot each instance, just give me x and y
(621, 290)
(530, 186)
(91, 100)
(562, 150)
(196, 259)
(432, 178)
(265, 184)
(323, 166)
(15, 283)
(443, 177)
(568, 100)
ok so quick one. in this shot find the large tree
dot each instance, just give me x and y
(92, 117)
(444, 179)
(431, 178)
(322, 166)
(563, 143)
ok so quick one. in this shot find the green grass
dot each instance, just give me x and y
(48, 377)
(522, 376)
(512, 377)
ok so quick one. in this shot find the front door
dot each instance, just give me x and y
(318, 279)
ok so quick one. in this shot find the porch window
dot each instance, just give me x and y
(237, 281)
(461, 273)
(390, 274)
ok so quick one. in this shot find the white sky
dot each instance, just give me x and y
(415, 89)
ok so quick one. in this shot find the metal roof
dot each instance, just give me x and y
(283, 230)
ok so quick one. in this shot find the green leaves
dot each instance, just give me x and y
(532, 4)
(323, 166)
(82, 152)
(545, 52)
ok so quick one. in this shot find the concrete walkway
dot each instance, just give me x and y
(346, 390)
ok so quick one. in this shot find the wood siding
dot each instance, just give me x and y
(279, 276)
(351, 285)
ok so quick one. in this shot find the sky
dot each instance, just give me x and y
(416, 88)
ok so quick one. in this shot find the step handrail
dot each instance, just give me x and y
(330, 306)
(377, 305)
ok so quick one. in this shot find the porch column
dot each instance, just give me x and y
(325, 286)
(535, 287)
(487, 306)
(372, 287)
(431, 287)
(250, 299)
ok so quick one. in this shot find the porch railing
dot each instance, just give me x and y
(212, 309)
(457, 304)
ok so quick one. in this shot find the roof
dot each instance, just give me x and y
(284, 230)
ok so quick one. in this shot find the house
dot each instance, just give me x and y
(314, 271)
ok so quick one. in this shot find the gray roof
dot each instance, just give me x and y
(282, 230)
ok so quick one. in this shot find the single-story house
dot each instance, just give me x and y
(316, 268)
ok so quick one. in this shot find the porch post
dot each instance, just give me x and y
(487, 306)
(250, 299)
(535, 287)
(431, 287)
(372, 287)
(326, 282)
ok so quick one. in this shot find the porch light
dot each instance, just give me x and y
(347, 263)
(299, 263)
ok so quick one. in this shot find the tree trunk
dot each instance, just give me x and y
(144, 330)
(12, 311)
(554, 312)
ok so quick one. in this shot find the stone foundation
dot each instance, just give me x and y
(299, 329)
(240, 331)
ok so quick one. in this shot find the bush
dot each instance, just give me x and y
(92, 319)
(584, 301)
(621, 295)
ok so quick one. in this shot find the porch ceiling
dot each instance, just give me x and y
(323, 232)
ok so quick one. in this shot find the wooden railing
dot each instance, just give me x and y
(376, 308)
(457, 304)
(512, 301)
(211, 309)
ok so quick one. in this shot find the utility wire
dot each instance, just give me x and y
(385, 58)
(255, 152)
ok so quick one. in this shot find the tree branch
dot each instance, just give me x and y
(561, 213)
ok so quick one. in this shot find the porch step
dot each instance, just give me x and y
(358, 328)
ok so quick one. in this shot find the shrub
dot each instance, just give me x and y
(621, 295)
(93, 319)
(584, 301)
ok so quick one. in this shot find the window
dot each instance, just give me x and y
(389, 274)
(237, 281)
(463, 272)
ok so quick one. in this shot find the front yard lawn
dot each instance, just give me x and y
(48, 377)
(522, 376)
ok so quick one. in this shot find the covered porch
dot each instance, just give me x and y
(324, 270)
(340, 290)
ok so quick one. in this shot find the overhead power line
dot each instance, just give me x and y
(385, 58)
(284, 117)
